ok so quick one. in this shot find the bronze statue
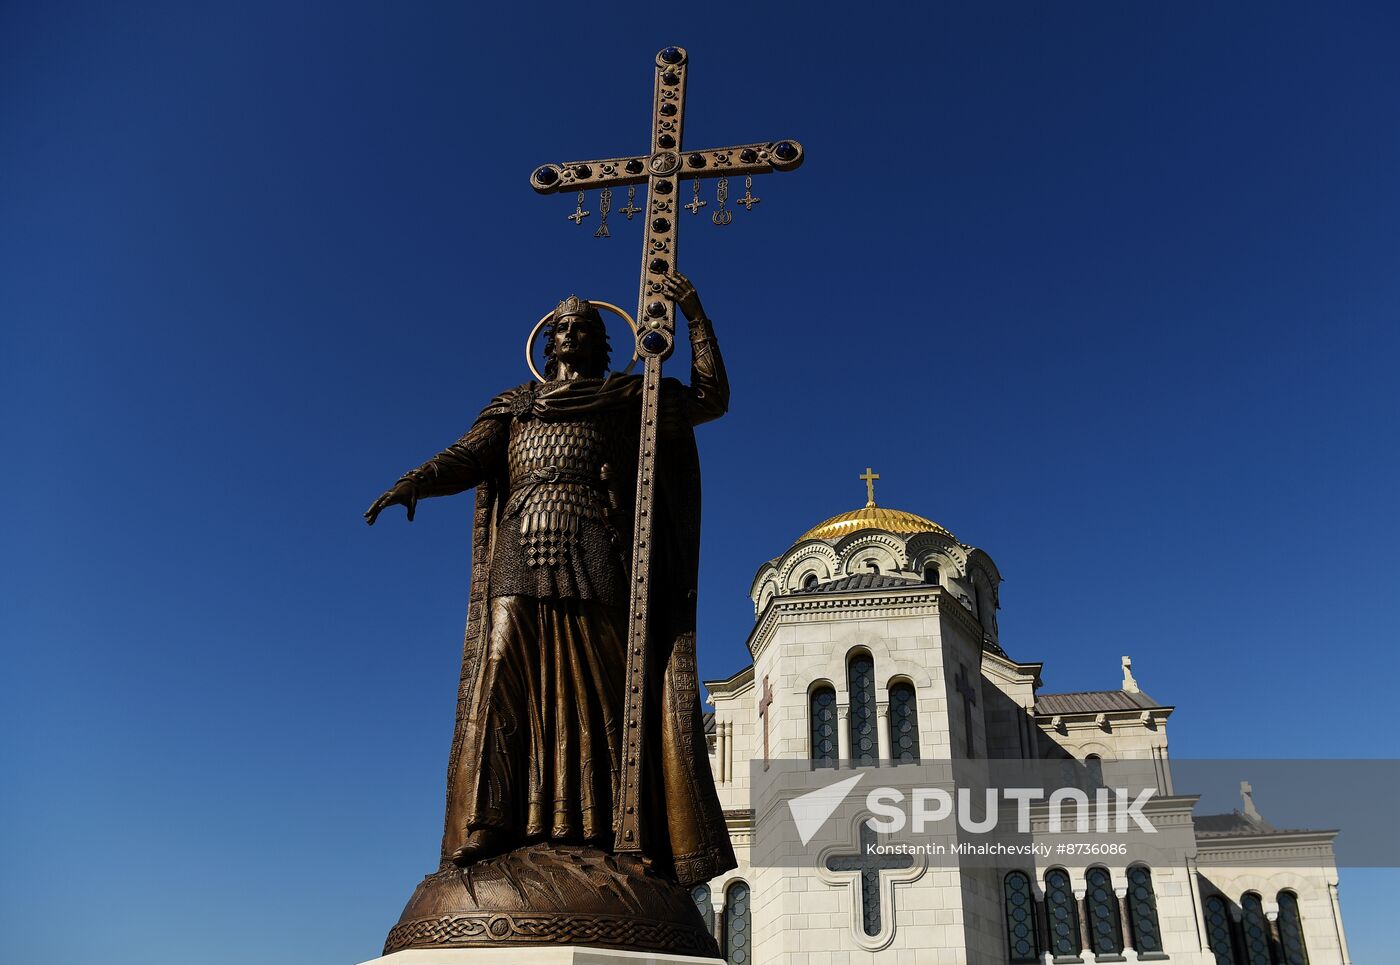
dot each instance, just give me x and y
(534, 780)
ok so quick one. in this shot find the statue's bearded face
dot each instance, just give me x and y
(579, 343)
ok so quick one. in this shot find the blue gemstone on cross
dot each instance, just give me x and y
(654, 342)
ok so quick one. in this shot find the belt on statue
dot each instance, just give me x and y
(544, 475)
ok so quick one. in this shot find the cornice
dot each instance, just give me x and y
(732, 685)
(918, 600)
(1277, 846)
(1010, 670)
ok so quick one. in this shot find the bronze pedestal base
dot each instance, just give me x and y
(547, 894)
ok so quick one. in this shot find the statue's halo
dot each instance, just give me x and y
(530, 341)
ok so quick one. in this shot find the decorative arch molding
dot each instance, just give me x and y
(765, 595)
(978, 559)
(898, 677)
(813, 551)
(947, 568)
(766, 573)
(884, 548)
(1266, 887)
(923, 547)
(1093, 747)
(890, 665)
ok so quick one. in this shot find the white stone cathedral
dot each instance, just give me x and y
(876, 643)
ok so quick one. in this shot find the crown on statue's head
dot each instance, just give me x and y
(573, 305)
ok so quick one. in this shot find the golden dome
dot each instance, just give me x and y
(871, 516)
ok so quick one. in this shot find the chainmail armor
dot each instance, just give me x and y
(557, 539)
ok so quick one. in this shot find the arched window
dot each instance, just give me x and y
(1255, 929)
(1060, 910)
(873, 567)
(809, 581)
(1093, 767)
(738, 930)
(1105, 930)
(932, 576)
(1020, 918)
(1290, 930)
(904, 724)
(701, 894)
(823, 720)
(860, 678)
(1218, 935)
(1142, 910)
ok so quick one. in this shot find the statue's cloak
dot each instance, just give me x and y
(682, 825)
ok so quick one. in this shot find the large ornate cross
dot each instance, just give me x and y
(664, 170)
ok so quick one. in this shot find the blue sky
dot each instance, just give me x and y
(1108, 290)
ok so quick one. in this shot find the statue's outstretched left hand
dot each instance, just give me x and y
(404, 494)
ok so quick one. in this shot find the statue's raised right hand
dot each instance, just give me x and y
(405, 493)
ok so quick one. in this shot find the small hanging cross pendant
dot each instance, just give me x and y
(579, 214)
(748, 200)
(604, 203)
(695, 203)
(631, 208)
(721, 216)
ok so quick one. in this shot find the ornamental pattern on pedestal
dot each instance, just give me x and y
(491, 930)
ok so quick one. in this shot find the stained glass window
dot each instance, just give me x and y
(1142, 910)
(701, 894)
(1290, 930)
(823, 719)
(904, 724)
(738, 925)
(1020, 918)
(1256, 930)
(1218, 930)
(1059, 908)
(1093, 768)
(1105, 934)
(865, 749)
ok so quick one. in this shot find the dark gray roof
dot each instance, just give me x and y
(1234, 823)
(861, 581)
(1093, 702)
(709, 719)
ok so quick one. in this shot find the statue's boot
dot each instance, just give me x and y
(482, 843)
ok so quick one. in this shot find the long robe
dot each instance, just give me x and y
(542, 676)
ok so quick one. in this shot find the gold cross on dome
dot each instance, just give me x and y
(869, 476)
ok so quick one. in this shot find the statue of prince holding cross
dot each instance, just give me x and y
(580, 803)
